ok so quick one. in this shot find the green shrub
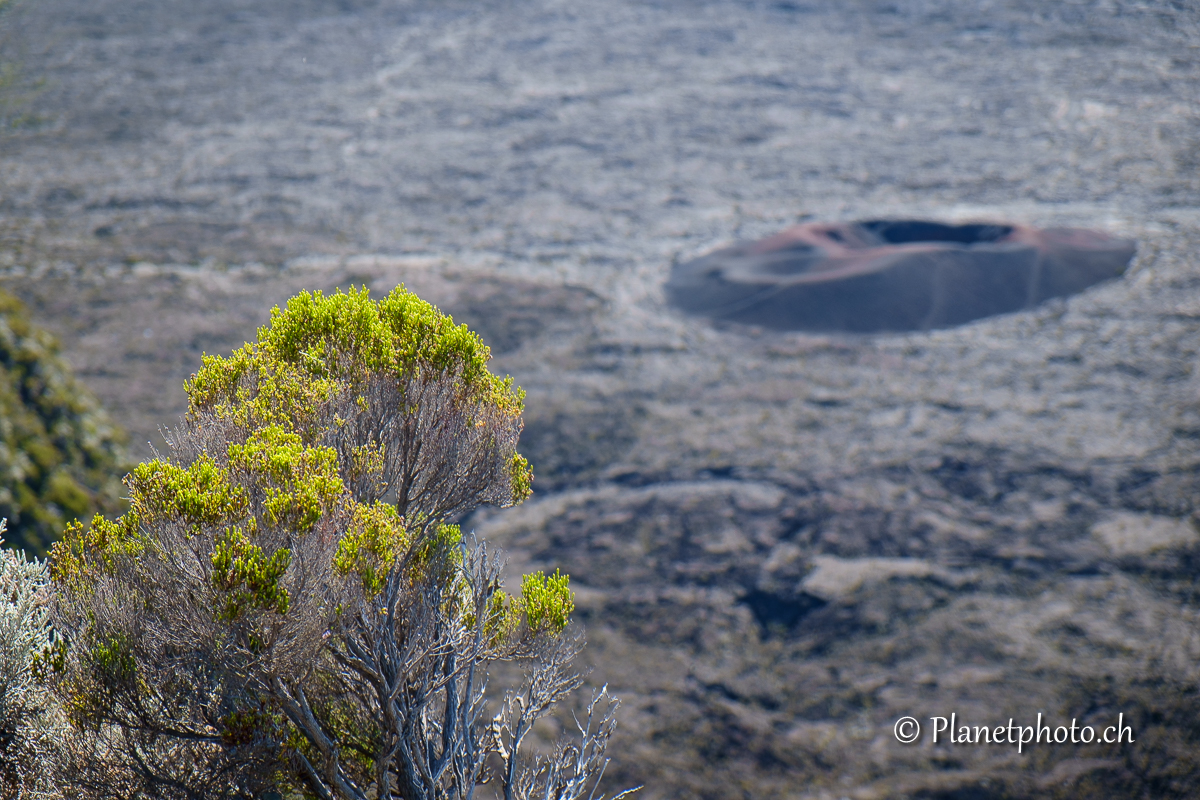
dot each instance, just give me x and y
(60, 456)
(288, 605)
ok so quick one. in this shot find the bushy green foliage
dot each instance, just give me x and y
(60, 456)
(375, 539)
(247, 578)
(201, 493)
(546, 602)
(318, 343)
(287, 605)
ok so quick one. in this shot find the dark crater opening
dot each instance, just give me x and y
(906, 231)
(894, 275)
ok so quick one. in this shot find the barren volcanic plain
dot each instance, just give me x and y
(781, 542)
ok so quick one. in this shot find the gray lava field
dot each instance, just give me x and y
(781, 542)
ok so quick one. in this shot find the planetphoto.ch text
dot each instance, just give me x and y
(948, 730)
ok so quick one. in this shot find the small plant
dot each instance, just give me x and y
(30, 727)
(288, 607)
